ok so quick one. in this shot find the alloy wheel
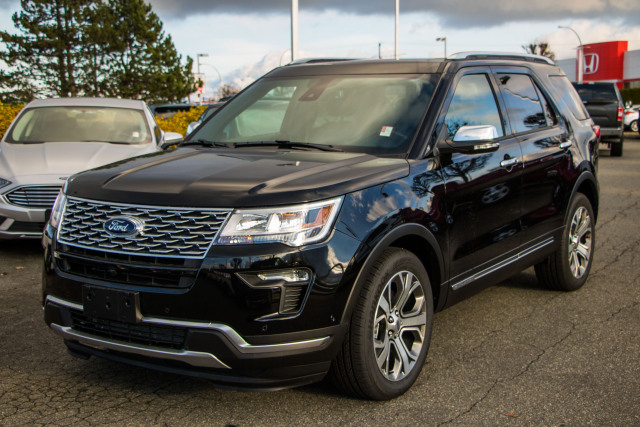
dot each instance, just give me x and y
(580, 242)
(399, 325)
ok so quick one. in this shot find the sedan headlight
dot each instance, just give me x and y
(4, 182)
(58, 208)
(292, 225)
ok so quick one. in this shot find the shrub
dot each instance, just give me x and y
(180, 120)
(632, 95)
(7, 114)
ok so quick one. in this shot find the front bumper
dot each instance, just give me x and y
(19, 223)
(27, 215)
(218, 324)
(210, 350)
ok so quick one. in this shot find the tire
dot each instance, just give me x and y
(390, 330)
(568, 267)
(616, 147)
(634, 126)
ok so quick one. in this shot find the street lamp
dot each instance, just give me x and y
(397, 54)
(198, 56)
(580, 53)
(443, 39)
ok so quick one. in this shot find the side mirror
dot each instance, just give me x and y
(192, 126)
(471, 140)
(169, 139)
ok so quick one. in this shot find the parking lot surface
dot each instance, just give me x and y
(515, 354)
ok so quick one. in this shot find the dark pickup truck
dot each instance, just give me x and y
(604, 104)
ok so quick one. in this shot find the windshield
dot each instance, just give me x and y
(80, 124)
(372, 114)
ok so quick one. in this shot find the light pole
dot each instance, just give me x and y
(198, 56)
(580, 53)
(443, 39)
(397, 29)
(294, 30)
(219, 76)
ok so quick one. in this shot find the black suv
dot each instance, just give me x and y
(604, 104)
(315, 222)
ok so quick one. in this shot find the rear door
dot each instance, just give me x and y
(546, 155)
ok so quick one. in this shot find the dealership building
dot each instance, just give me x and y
(606, 62)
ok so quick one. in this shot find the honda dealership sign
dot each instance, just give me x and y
(604, 61)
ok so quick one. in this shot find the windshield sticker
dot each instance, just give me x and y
(136, 134)
(386, 131)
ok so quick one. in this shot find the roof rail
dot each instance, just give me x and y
(318, 60)
(502, 55)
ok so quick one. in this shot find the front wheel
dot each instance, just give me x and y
(567, 268)
(390, 329)
(634, 126)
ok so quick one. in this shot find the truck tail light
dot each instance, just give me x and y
(596, 129)
(620, 113)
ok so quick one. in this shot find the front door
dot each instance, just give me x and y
(482, 190)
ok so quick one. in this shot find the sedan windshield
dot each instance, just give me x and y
(80, 124)
(376, 114)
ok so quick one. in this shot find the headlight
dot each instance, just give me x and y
(58, 208)
(4, 182)
(292, 225)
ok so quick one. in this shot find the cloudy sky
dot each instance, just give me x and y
(245, 38)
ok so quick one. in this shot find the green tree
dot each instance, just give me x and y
(93, 48)
(49, 49)
(542, 49)
(141, 61)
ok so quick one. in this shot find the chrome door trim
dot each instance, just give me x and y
(502, 263)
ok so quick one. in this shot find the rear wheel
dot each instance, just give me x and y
(616, 147)
(567, 268)
(390, 329)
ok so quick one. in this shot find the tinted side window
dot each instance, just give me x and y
(523, 103)
(473, 103)
(566, 92)
(548, 111)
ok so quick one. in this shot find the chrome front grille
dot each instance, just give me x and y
(172, 232)
(34, 196)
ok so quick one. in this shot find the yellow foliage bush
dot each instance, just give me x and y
(180, 120)
(7, 114)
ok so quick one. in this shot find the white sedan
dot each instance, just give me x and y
(52, 139)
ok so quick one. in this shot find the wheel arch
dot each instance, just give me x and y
(418, 240)
(587, 184)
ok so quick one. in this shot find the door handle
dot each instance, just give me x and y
(566, 144)
(507, 163)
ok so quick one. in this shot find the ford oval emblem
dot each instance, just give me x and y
(123, 226)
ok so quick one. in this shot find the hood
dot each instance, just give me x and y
(225, 178)
(62, 158)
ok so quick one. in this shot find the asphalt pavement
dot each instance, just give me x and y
(513, 355)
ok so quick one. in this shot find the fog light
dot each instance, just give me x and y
(289, 276)
(292, 286)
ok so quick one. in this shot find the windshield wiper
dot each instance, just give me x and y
(205, 143)
(287, 144)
